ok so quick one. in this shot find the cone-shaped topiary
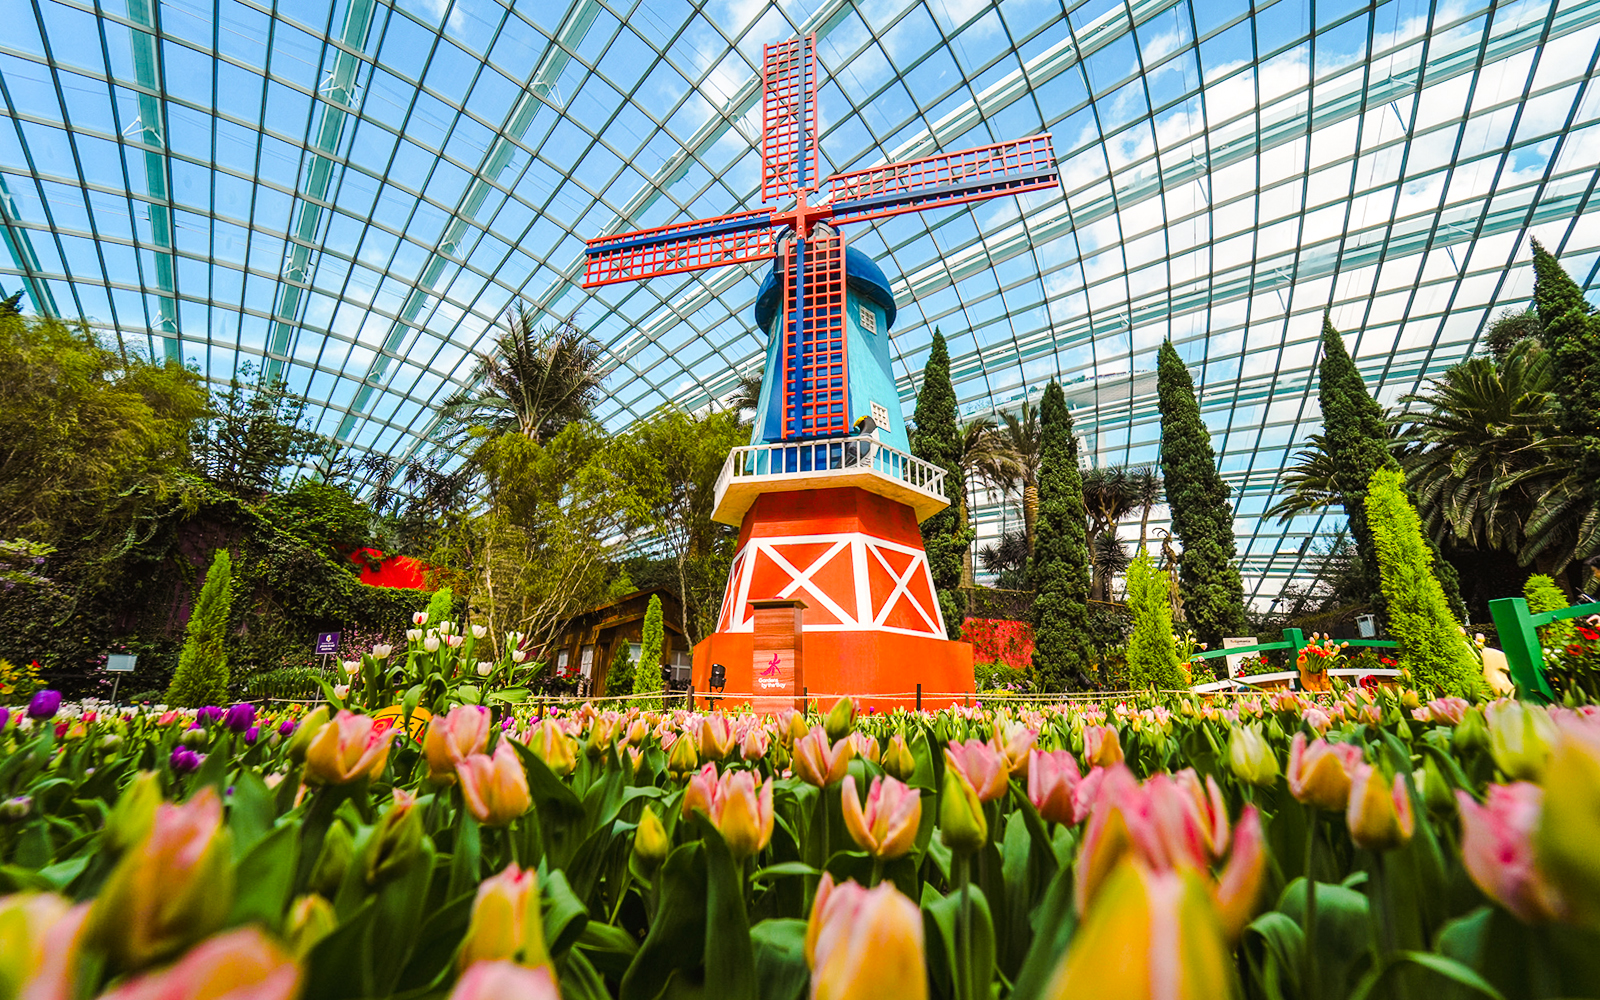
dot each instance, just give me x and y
(202, 674)
(647, 683)
(1572, 333)
(936, 439)
(1059, 566)
(1430, 639)
(1202, 518)
(1152, 650)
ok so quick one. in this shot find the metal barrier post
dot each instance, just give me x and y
(691, 697)
(919, 697)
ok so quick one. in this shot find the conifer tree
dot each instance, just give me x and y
(647, 682)
(1059, 566)
(202, 675)
(936, 439)
(1356, 438)
(1152, 650)
(1208, 578)
(1571, 332)
(1429, 637)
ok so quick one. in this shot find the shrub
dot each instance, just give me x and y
(202, 675)
(647, 682)
(1152, 650)
(1059, 566)
(1430, 640)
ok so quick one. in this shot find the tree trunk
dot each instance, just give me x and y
(1030, 512)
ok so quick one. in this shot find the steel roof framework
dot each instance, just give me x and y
(350, 193)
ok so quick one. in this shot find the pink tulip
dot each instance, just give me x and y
(754, 745)
(346, 749)
(244, 964)
(818, 763)
(716, 737)
(1014, 742)
(981, 765)
(40, 935)
(1239, 886)
(504, 980)
(1498, 851)
(744, 814)
(701, 792)
(1052, 778)
(1451, 710)
(864, 746)
(505, 921)
(1209, 811)
(865, 943)
(453, 737)
(495, 788)
(887, 827)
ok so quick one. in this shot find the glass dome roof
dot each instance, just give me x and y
(350, 195)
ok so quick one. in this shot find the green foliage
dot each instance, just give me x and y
(1543, 595)
(661, 479)
(440, 606)
(202, 675)
(620, 674)
(1208, 577)
(84, 428)
(1059, 567)
(534, 383)
(1571, 331)
(1152, 649)
(936, 439)
(253, 436)
(1429, 637)
(647, 679)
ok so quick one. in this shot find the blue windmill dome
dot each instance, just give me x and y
(862, 274)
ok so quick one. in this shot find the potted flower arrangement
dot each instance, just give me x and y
(1315, 660)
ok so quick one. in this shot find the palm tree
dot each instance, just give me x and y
(982, 453)
(747, 395)
(1489, 466)
(1311, 483)
(1007, 558)
(1110, 494)
(533, 381)
(1016, 462)
(1148, 491)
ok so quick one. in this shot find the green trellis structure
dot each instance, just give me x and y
(1294, 640)
(1519, 638)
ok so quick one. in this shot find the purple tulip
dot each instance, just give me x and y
(287, 727)
(5, 716)
(240, 717)
(44, 705)
(185, 761)
(206, 716)
(252, 734)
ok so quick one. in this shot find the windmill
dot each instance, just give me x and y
(829, 543)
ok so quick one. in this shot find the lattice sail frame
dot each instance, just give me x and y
(814, 348)
(789, 159)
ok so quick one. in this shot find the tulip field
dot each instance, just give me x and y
(1137, 847)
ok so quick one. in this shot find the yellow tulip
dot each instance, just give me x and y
(347, 749)
(1379, 816)
(506, 921)
(650, 842)
(1569, 826)
(495, 787)
(39, 945)
(887, 828)
(865, 944)
(549, 743)
(1148, 936)
(452, 738)
(962, 825)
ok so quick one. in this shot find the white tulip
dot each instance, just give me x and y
(485, 668)
(479, 631)
(431, 643)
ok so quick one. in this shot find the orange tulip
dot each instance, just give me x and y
(1379, 816)
(716, 737)
(1319, 773)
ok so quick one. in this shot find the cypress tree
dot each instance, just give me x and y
(202, 675)
(647, 682)
(1356, 437)
(1059, 566)
(1202, 518)
(1429, 637)
(936, 439)
(1572, 334)
(1152, 650)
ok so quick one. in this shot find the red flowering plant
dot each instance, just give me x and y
(999, 640)
(1574, 665)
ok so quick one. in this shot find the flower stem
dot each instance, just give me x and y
(1311, 987)
(963, 873)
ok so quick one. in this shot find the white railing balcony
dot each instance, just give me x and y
(823, 464)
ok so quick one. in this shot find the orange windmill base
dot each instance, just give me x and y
(830, 593)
